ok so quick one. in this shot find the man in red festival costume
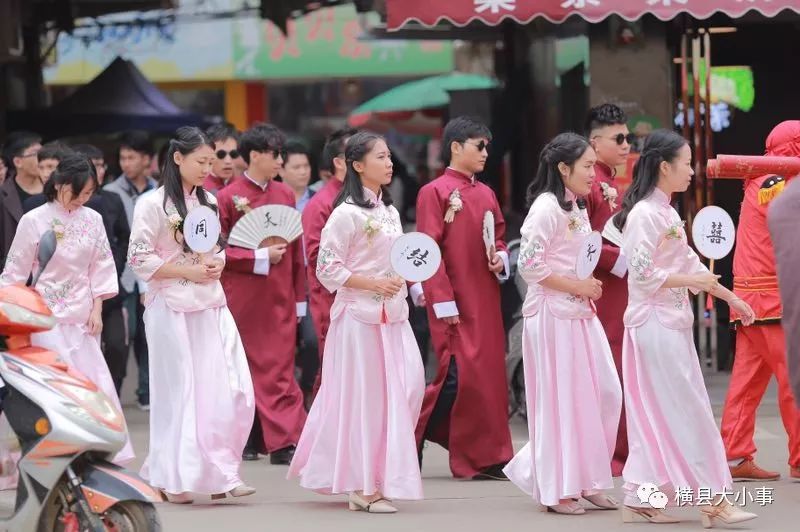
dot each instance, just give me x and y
(226, 149)
(760, 347)
(265, 289)
(608, 133)
(465, 408)
(315, 215)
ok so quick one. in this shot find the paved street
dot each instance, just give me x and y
(470, 506)
(467, 505)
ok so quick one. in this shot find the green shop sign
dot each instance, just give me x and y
(733, 85)
(326, 43)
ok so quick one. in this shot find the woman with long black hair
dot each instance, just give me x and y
(201, 393)
(673, 439)
(574, 396)
(359, 437)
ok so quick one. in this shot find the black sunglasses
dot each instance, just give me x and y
(221, 154)
(622, 137)
(482, 145)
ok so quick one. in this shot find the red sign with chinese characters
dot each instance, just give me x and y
(492, 12)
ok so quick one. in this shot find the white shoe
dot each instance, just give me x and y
(177, 498)
(379, 506)
(724, 513)
(242, 490)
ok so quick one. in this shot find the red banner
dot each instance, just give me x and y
(492, 12)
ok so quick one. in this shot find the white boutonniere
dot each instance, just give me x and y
(58, 228)
(574, 223)
(455, 204)
(371, 227)
(175, 221)
(674, 231)
(610, 194)
(176, 224)
(241, 204)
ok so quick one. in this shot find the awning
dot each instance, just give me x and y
(493, 12)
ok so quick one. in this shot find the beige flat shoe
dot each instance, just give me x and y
(724, 513)
(379, 506)
(568, 508)
(602, 501)
(631, 514)
(177, 498)
(242, 490)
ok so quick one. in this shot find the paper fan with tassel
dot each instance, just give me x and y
(266, 226)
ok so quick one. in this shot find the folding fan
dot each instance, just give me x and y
(271, 223)
(488, 233)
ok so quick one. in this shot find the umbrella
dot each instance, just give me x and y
(425, 93)
(397, 106)
(424, 122)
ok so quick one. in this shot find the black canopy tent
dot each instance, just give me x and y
(118, 99)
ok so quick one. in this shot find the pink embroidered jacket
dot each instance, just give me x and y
(81, 269)
(153, 244)
(655, 245)
(551, 240)
(358, 241)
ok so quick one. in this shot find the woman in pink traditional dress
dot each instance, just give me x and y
(359, 437)
(79, 277)
(574, 396)
(202, 404)
(673, 438)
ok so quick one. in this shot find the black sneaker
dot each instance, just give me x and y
(249, 454)
(282, 456)
(494, 472)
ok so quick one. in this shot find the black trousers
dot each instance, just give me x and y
(447, 395)
(307, 353)
(115, 345)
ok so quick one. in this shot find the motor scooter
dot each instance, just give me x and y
(68, 431)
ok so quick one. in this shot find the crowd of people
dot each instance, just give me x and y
(216, 335)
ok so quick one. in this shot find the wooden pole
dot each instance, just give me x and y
(685, 83)
(699, 182)
(685, 100)
(709, 148)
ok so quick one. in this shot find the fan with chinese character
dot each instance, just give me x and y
(267, 226)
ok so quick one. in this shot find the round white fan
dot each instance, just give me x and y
(273, 223)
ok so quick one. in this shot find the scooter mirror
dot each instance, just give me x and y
(47, 248)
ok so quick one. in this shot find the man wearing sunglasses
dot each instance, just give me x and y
(608, 133)
(266, 293)
(226, 148)
(465, 408)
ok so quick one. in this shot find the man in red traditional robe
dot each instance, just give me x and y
(466, 406)
(608, 133)
(265, 289)
(226, 148)
(760, 347)
(315, 215)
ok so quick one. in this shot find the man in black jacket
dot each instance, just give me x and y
(114, 336)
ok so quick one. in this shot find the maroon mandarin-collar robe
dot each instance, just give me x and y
(477, 434)
(315, 215)
(214, 184)
(611, 306)
(266, 308)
